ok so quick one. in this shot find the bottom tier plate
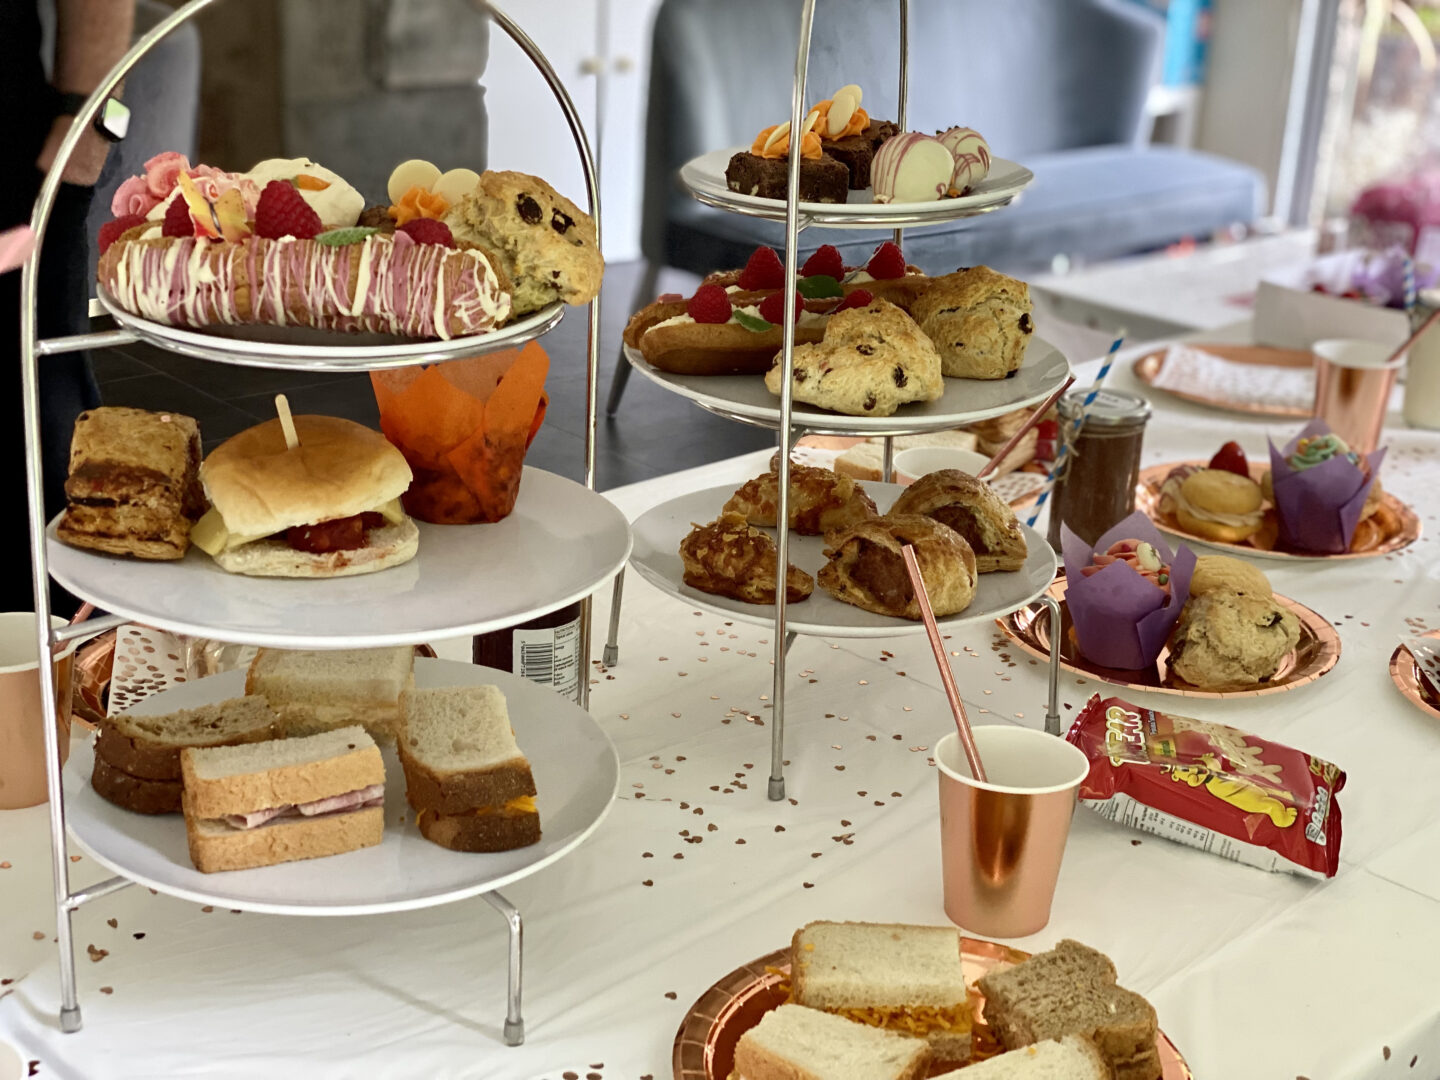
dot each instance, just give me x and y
(576, 774)
(705, 1043)
(656, 557)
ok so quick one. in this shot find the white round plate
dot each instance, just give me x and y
(705, 177)
(305, 348)
(659, 531)
(561, 542)
(745, 397)
(576, 775)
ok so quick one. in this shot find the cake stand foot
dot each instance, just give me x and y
(70, 1019)
(611, 655)
(514, 1024)
(777, 788)
(1052, 706)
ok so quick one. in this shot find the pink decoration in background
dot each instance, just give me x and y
(15, 247)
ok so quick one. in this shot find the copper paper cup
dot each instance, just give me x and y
(22, 720)
(1353, 380)
(1001, 842)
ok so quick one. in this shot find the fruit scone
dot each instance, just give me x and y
(870, 361)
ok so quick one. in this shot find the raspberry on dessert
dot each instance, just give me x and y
(429, 231)
(710, 304)
(857, 298)
(772, 308)
(111, 230)
(177, 219)
(886, 263)
(826, 260)
(283, 211)
(763, 271)
(1231, 458)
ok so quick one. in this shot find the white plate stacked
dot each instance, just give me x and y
(656, 558)
(576, 775)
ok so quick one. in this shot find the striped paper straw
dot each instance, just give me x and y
(1075, 428)
(1409, 270)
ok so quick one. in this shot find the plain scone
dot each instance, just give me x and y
(1071, 990)
(796, 1043)
(871, 361)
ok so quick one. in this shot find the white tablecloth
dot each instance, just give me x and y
(694, 872)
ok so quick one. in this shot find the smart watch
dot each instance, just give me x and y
(112, 121)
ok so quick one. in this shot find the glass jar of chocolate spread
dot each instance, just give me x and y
(544, 650)
(1096, 485)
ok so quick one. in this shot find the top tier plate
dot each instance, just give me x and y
(705, 177)
(308, 349)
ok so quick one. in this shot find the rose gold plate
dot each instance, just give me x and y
(1147, 368)
(705, 1043)
(1399, 524)
(1316, 653)
(1408, 679)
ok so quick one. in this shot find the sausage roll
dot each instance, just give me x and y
(973, 510)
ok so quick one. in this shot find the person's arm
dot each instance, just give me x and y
(91, 35)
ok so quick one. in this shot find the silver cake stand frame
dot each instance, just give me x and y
(795, 222)
(68, 900)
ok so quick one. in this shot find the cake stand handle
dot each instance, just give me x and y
(900, 113)
(1052, 706)
(611, 656)
(514, 1023)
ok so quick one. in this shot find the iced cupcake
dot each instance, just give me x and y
(1321, 489)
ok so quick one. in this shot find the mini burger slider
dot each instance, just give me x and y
(327, 507)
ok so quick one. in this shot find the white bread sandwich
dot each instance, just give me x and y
(1071, 990)
(1070, 1058)
(464, 772)
(907, 979)
(317, 690)
(286, 799)
(796, 1043)
(137, 758)
(329, 507)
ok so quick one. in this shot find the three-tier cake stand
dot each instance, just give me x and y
(561, 543)
(745, 399)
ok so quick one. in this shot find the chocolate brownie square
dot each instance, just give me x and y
(856, 152)
(822, 179)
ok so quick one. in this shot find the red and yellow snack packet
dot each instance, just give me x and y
(464, 427)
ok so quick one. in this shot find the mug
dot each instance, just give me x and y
(22, 732)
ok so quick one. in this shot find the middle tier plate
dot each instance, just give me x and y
(561, 543)
(745, 398)
(656, 558)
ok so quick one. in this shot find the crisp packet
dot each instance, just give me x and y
(1211, 787)
(1319, 507)
(1122, 620)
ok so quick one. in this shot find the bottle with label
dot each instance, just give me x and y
(544, 650)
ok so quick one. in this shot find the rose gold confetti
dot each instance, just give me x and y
(864, 682)
(4, 866)
(624, 716)
(74, 858)
(670, 994)
(38, 935)
(647, 883)
(676, 715)
(740, 841)
(112, 923)
(96, 955)
(808, 884)
(107, 989)
(208, 908)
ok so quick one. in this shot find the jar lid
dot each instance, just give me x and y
(1111, 408)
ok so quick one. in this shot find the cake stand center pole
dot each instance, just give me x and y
(901, 110)
(1052, 705)
(793, 225)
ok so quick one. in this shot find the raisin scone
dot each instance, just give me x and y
(980, 321)
(546, 242)
(973, 510)
(820, 500)
(1228, 639)
(867, 569)
(871, 361)
(730, 558)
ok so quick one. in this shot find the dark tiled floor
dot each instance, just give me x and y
(654, 433)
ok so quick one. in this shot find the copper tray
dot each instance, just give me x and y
(1148, 367)
(1317, 652)
(1406, 675)
(705, 1043)
(1403, 532)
